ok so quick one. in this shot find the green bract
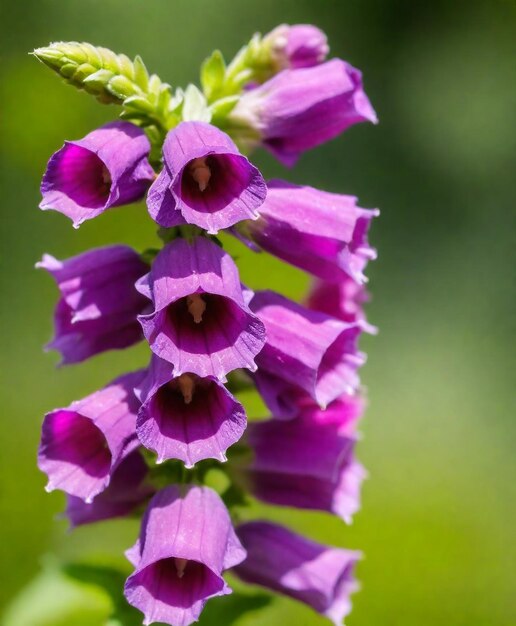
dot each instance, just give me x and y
(253, 63)
(148, 101)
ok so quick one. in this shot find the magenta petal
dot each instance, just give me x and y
(227, 335)
(79, 341)
(300, 109)
(306, 46)
(99, 302)
(125, 493)
(343, 414)
(319, 232)
(202, 428)
(207, 181)
(280, 396)
(297, 46)
(107, 168)
(308, 349)
(317, 575)
(99, 282)
(186, 542)
(304, 463)
(343, 300)
(82, 445)
(162, 204)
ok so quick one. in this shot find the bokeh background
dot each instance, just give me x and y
(438, 517)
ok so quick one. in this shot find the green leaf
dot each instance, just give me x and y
(111, 581)
(195, 107)
(213, 71)
(54, 599)
(229, 609)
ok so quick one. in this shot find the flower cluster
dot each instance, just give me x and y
(148, 439)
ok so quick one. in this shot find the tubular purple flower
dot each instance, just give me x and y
(343, 300)
(126, 492)
(187, 417)
(280, 396)
(343, 414)
(187, 540)
(99, 302)
(83, 444)
(286, 401)
(305, 464)
(300, 109)
(107, 168)
(307, 349)
(300, 45)
(205, 180)
(201, 322)
(322, 233)
(278, 559)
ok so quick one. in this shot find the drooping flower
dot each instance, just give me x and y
(288, 563)
(342, 415)
(187, 417)
(307, 349)
(322, 233)
(99, 302)
(107, 168)
(127, 490)
(286, 401)
(187, 540)
(201, 322)
(205, 180)
(300, 45)
(280, 395)
(343, 299)
(303, 463)
(299, 109)
(83, 444)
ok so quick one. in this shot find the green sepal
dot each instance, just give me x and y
(141, 75)
(220, 109)
(195, 106)
(213, 71)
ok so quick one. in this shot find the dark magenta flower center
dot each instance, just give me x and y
(178, 583)
(84, 177)
(187, 394)
(202, 317)
(74, 439)
(209, 184)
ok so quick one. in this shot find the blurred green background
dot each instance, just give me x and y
(438, 517)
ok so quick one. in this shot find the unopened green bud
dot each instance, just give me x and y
(112, 78)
